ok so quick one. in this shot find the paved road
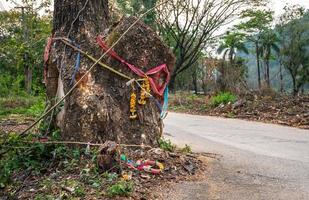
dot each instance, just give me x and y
(259, 161)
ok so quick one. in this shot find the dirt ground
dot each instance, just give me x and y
(64, 178)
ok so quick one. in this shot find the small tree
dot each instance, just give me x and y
(232, 43)
(269, 43)
(258, 20)
(232, 67)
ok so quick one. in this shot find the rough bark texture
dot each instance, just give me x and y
(98, 110)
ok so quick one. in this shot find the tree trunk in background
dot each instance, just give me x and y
(172, 83)
(194, 81)
(28, 79)
(99, 108)
(267, 61)
(295, 90)
(281, 79)
(258, 63)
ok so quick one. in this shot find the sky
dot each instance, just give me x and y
(276, 5)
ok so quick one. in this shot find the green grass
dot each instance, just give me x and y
(21, 105)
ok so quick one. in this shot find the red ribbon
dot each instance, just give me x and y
(154, 75)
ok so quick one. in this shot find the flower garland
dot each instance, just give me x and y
(144, 91)
(133, 114)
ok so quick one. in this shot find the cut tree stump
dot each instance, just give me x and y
(98, 109)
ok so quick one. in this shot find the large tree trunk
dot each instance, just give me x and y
(99, 108)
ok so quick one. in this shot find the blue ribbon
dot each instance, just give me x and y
(77, 64)
(165, 104)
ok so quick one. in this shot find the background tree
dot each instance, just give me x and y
(191, 26)
(231, 44)
(257, 21)
(135, 7)
(269, 43)
(294, 37)
(18, 71)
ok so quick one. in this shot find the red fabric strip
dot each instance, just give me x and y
(156, 87)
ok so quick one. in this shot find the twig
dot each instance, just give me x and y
(90, 144)
(90, 69)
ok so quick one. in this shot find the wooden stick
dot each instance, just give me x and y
(94, 60)
(91, 144)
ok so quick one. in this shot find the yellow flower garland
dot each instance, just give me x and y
(133, 114)
(144, 90)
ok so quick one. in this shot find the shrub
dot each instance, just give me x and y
(20, 153)
(186, 149)
(24, 105)
(222, 98)
(121, 188)
(166, 145)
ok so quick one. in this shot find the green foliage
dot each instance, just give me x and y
(257, 20)
(166, 145)
(136, 7)
(23, 154)
(294, 39)
(186, 149)
(231, 43)
(23, 38)
(79, 192)
(44, 197)
(24, 105)
(222, 98)
(121, 188)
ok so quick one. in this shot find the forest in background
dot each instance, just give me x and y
(260, 51)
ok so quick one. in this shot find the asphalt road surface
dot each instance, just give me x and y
(254, 161)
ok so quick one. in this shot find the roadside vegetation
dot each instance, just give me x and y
(257, 70)
(28, 106)
(33, 169)
(269, 107)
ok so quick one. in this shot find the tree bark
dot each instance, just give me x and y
(99, 108)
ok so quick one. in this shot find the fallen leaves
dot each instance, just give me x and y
(278, 109)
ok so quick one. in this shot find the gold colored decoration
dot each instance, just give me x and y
(133, 114)
(144, 91)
